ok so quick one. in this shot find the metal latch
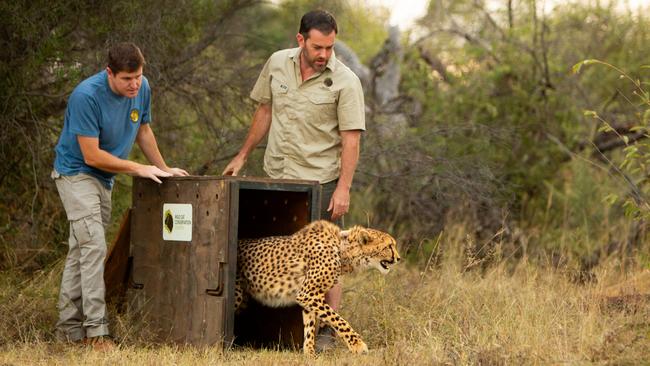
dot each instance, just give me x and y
(218, 291)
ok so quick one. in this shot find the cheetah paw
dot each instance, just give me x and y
(358, 347)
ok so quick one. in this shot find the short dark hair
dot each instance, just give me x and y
(320, 20)
(125, 56)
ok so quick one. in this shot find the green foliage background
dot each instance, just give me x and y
(499, 143)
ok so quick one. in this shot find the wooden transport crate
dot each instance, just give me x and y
(183, 247)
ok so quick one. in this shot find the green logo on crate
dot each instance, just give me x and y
(169, 221)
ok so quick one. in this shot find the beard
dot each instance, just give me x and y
(312, 62)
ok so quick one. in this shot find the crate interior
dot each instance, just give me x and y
(272, 212)
(264, 212)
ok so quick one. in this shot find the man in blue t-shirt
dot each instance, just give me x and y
(106, 114)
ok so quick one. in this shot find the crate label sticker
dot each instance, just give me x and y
(177, 221)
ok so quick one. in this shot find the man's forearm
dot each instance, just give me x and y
(349, 157)
(107, 162)
(259, 128)
(97, 158)
(147, 142)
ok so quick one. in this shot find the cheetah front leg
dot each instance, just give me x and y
(309, 335)
(313, 301)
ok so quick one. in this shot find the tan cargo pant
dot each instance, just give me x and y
(82, 309)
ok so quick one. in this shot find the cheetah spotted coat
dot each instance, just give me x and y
(303, 267)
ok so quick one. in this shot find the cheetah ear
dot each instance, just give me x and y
(359, 234)
(365, 236)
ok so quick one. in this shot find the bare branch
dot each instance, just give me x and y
(211, 34)
(435, 63)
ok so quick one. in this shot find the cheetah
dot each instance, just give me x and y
(300, 268)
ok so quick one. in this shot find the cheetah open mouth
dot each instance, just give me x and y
(386, 263)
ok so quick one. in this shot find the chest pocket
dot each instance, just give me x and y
(322, 106)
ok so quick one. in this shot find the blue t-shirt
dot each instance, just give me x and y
(94, 110)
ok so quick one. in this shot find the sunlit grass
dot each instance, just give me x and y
(443, 314)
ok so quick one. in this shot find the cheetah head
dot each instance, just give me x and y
(371, 248)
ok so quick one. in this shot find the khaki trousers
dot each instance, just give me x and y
(82, 308)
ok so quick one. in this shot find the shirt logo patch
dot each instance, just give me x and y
(135, 115)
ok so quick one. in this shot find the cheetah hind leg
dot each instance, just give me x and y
(241, 297)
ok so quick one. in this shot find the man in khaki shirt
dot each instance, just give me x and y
(312, 107)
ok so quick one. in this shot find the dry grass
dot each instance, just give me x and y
(500, 314)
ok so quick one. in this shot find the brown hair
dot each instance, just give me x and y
(321, 20)
(125, 56)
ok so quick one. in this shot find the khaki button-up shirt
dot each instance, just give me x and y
(304, 140)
